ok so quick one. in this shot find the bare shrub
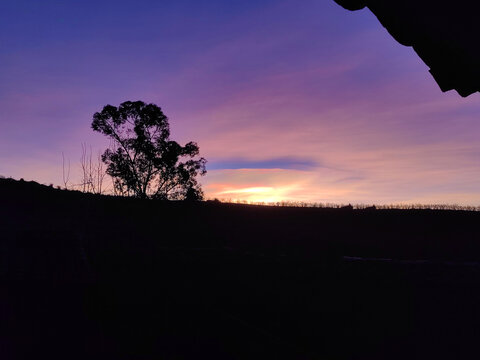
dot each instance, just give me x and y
(93, 172)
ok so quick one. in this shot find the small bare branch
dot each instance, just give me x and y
(65, 173)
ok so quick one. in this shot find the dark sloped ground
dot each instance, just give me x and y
(88, 277)
(443, 33)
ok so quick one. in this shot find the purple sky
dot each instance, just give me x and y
(288, 100)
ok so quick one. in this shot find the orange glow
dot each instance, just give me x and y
(248, 190)
(256, 194)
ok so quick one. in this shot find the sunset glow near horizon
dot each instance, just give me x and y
(288, 101)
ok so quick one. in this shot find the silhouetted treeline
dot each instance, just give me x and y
(304, 204)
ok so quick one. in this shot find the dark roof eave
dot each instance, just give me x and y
(443, 33)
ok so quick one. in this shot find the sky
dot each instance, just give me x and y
(288, 100)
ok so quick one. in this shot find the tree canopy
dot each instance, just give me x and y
(142, 160)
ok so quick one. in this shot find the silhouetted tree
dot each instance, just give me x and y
(143, 160)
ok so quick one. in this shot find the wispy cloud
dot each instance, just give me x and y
(276, 163)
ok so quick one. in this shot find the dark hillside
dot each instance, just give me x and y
(97, 277)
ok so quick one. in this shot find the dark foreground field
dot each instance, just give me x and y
(87, 277)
